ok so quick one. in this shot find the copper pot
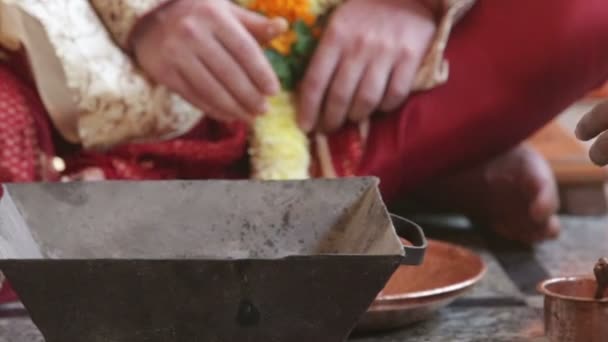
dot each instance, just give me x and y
(571, 312)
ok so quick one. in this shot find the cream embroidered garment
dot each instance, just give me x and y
(93, 91)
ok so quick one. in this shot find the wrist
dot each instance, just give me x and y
(150, 20)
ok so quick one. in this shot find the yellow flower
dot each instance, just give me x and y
(279, 149)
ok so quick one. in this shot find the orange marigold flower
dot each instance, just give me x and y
(283, 43)
(291, 10)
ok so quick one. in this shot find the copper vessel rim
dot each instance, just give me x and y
(542, 288)
(433, 292)
(462, 285)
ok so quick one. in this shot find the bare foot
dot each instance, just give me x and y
(515, 195)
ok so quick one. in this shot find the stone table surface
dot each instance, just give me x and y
(503, 307)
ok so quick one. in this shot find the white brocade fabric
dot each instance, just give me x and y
(92, 89)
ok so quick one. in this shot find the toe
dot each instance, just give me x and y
(545, 203)
(548, 230)
(553, 228)
(539, 186)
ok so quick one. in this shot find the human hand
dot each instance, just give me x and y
(208, 52)
(367, 60)
(595, 124)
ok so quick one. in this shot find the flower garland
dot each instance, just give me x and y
(279, 150)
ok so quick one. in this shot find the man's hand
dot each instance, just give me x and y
(595, 124)
(366, 61)
(208, 52)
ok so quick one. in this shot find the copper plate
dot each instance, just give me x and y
(415, 293)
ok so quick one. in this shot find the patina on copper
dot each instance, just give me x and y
(601, 277)
(576, 308)
(414, 294)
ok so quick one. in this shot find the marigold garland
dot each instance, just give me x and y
(279, 149)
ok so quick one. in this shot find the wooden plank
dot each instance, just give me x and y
(581, 183)
(584, 200)
(567, 156)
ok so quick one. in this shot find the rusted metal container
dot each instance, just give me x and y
(200, 261)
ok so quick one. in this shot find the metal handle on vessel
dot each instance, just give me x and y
(408, 230)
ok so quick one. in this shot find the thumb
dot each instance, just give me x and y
(262, 28)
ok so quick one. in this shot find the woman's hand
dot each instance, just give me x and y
(208, 52)
(595, 124)
(366, 61)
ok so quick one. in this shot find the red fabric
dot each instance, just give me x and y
(601, 92)
(24, 130)
(211, 150)
(346, 148)
(7, 294)
(514, 65)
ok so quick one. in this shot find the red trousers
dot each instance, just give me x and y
(514, 65)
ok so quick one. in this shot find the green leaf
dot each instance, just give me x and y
(302, 50)
(298, 67)
(281, 67)
(306, 42)
(290, 69)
